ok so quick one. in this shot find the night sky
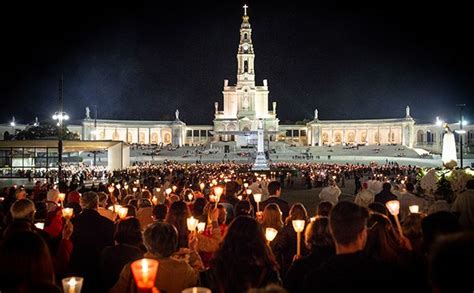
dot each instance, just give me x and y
(144, 60)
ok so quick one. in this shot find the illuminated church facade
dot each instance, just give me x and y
(245, 104)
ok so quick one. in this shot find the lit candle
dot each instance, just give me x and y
(257, 197)
(414, 209)
(118, 186)
(246, 185)
(201, 226)
(61, 196)
(174, 187)
(154, 200)
(168, 191)
(115, 207)
(190, 196)
(72, 284)
(298, 225)
(239, 197)
(218, 190)
(122, 212)
(67, 213)
(134, 189)
(111, 189)
(202, 185)
(270, 234)
(192, 223)
(39, 225)
(144, 271)
(393, 207)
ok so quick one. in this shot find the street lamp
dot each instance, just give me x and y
(60, 116)
(460, 132)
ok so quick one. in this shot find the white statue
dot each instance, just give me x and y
(407, 110)
(216, 106)
(88, 113)
(315, 114)
(245, 104)
(274, 107)
(177, 114)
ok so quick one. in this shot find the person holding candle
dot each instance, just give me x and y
(243, 260)
(177, 216)
(409, 198)
(272, 217)
(285, 245)
(161, 240)
(128, 247)
(92, 232)
(319, 242)
(103, 210)
(384, 243)
(350, 270)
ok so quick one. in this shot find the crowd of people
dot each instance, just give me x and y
(144, 211)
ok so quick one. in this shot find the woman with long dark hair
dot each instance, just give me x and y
(177, 215)
(243, 260)
(284, 245)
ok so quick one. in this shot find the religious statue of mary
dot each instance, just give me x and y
(449, 156)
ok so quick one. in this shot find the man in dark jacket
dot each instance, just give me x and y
(274, 190)
(350, 270)
(92, 233)
(385, 195)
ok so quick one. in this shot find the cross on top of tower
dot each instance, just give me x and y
(245, 9)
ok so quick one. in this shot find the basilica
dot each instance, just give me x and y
(246, 106)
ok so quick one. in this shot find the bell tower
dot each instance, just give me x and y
(245, 54)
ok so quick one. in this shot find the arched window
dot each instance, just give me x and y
(246, 66)
(245, 36)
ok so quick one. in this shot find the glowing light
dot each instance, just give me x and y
(270, 234)
(393, 207)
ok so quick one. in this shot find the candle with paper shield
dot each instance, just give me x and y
(154, 200)
(168, 191)
(202, 185)
(39, 225)
(192, 223)
(122, 212)
(270, 234)
(298, 225)
(61, 197)
(201, 226)
(144, 272)
(67, 213)
(393, 206)
(218, 190)
(414, 209)
(258, 198)
(72, 284)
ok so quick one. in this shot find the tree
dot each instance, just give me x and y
(45, 131)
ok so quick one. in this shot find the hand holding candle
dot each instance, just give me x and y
(393, 207)
(258, 198)
(298, 225)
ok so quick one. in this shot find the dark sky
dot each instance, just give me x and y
(143, 60)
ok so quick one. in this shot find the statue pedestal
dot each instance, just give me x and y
(261, 163)
(260, 160)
